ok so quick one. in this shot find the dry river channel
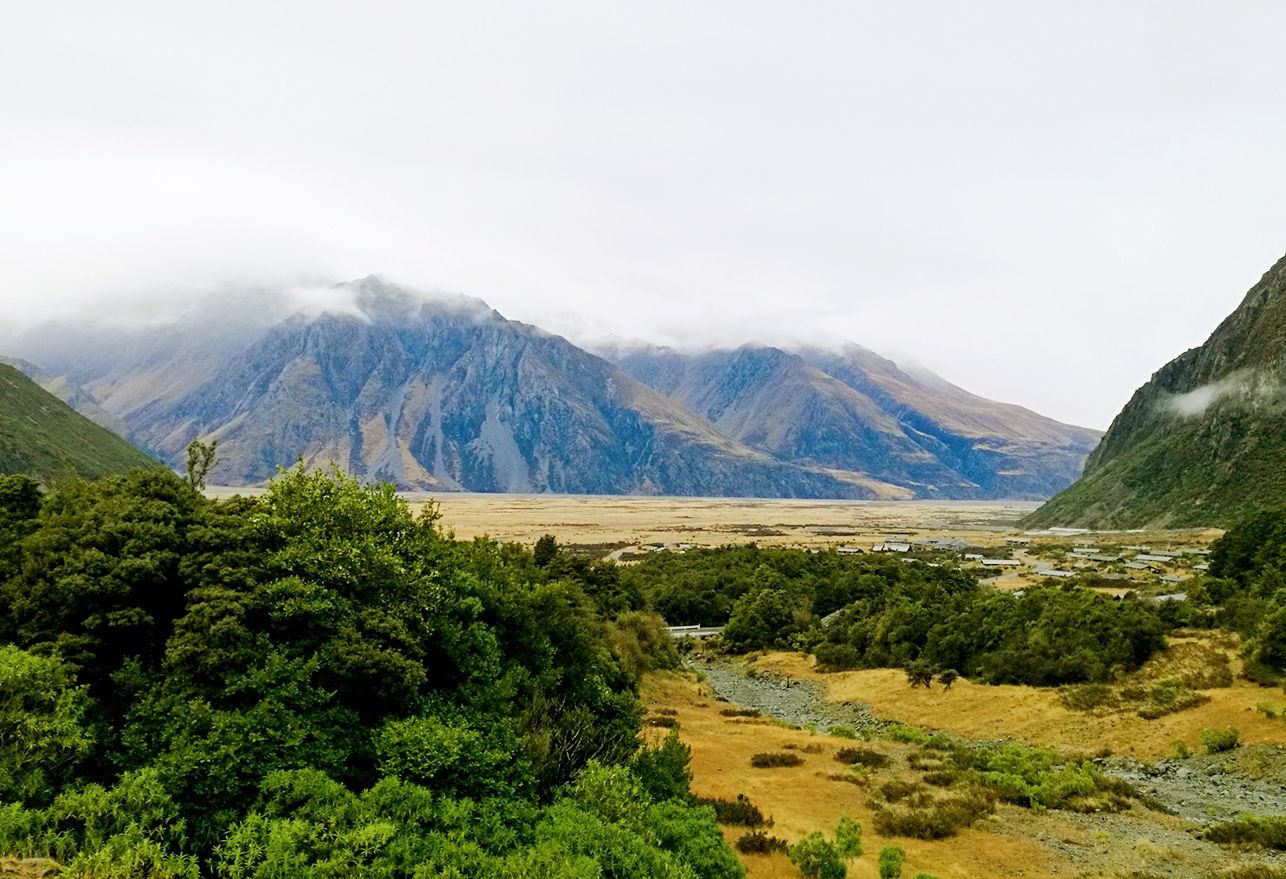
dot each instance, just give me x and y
(1201, 789)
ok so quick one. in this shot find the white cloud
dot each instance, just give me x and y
(1041, 203)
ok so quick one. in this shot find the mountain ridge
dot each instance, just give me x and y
(446, 394)
(1201, 443)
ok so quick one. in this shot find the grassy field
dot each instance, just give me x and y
(638, 521)
(1013, 842)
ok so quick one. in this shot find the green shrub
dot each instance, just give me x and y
(865, 756)
(769, 760)
(892, 857)
(815, 856)
(1269, 831)
(739, 812)
(900, 732)
(842, 732)
(740, 712)
(1218, 740)
(848, 838)
(941, 779)
(663, 770)
(757, 842)
(923, 818)
(41, 736)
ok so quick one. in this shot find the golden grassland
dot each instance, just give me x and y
(1038, 716)
(1013, 842)
(638, 521)
(804, 798)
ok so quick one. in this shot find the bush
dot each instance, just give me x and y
(815, 856)
(1218, 740)
(1086, 697)
(759, 843)
(663, 771)
(896, 790)
(900, 732)
(770, 760)
(848, 838)
(934, 819)
(842, 732)
(41, 736)
(892, 857)
(941, 779)
(1269, 831)
(865, 756)
(663, 721)
(739, 812)
(740, 712)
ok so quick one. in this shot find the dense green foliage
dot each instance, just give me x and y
(882, 612)
(41, 436)
(316, 683)
(1245, 591)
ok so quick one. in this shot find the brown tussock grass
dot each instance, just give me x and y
(1037, 716)
(804, 798)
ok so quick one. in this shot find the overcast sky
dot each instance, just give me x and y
(1043, 202)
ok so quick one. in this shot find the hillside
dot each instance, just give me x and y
(1204, 441)
(855, 410)
(41, 436)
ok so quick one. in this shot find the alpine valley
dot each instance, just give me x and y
(445, 394)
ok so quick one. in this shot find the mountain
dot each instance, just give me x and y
(433, 395)
(1204, 441)
(854, 410)
(41, 436)
(446, 394)
(70, 393)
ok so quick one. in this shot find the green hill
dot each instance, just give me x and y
(41, 436)
(1204, 441)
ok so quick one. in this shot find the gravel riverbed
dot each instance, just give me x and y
(1200, 789)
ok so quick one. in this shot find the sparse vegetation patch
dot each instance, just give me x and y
(773, 759)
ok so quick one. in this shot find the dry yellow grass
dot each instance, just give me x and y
(1037, 716)
(577, 519)
(804, 798)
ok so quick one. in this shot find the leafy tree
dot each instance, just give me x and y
(41, 736)
(948, 677)
(546, 551)
(848, 838)
(201, 460)
(919, 674)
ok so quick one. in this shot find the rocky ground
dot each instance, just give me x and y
(1199, 790)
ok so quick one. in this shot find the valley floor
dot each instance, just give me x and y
(1013, 842)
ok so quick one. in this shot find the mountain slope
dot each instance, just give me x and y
(1204, 441)
(70, 393)
(776, 402)
(40, 436)
(856, 410)
(441, 395)
(1008, 451)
